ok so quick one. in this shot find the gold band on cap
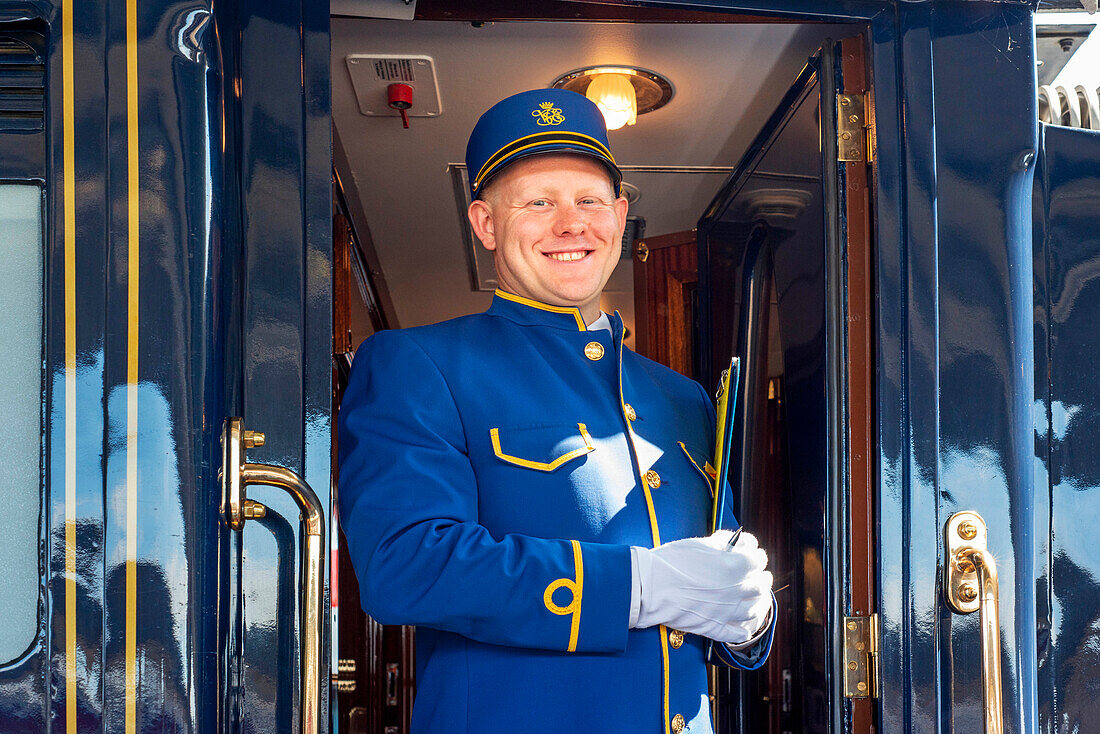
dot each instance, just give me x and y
(547, 138)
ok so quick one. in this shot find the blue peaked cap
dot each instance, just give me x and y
(534, 122)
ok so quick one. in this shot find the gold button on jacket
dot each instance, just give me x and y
(675, 638)
(629, 411)
(677, 723)
(653, 479)
(594, 351)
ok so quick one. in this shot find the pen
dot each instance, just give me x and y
(733, 542)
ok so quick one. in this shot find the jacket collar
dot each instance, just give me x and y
(529, 312)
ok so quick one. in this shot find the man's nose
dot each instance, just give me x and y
(570, 220)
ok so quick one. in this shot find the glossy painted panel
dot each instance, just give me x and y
(954, 342)
(149, 376)
(985, 345)
(76, 610)
(1067, 423)
(906, 378)
(141, 646)
(161, 538)
(285, 363)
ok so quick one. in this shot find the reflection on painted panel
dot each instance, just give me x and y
(1067, 187)
(20, 403)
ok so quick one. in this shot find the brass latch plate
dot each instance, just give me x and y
(964, 532)
(861, 656)
(851, 135)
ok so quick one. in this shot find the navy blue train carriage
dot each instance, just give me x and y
(204, 207)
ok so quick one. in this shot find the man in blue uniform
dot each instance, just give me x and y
(531, 494)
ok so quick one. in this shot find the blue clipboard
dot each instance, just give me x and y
(726, 409)
(723, 436)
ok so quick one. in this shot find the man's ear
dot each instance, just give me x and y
(621, 205)
(481, 221)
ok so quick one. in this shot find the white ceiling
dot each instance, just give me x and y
(728, 79)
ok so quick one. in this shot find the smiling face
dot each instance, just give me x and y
(555, 228)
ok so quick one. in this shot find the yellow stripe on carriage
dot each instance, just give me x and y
(69, 196)
(132, 276)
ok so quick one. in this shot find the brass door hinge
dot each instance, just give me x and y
(861, 657)
(344, 680)
(855, 128)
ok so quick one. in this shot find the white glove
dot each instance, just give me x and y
(702, 586)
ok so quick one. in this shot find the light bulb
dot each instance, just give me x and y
(614, 95)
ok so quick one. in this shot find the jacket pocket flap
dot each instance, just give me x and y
(699, 460)
(543, 448)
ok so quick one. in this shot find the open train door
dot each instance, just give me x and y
(275, 462)
(785, 282)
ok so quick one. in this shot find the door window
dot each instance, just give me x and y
(21, 282)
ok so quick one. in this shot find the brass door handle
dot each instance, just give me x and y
(236, 475)
(970, 584)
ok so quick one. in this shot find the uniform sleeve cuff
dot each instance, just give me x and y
(606, 598)
(635, 588)
(764, 628)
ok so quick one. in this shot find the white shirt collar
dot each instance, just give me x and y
(601, 323)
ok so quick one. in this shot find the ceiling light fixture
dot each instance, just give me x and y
(616, 98)
(621, 92)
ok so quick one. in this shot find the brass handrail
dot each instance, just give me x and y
(991, 640)
(971, 585)
(236, 476)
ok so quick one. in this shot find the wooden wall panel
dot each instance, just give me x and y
(666, 277)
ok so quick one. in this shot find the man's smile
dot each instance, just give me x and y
(568, 256)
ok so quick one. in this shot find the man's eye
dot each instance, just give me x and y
(540, 203)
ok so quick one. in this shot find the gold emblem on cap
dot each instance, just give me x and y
(548, 114)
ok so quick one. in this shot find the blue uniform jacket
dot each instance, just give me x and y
(494, 471)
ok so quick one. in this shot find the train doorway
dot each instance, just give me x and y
(751, 236)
